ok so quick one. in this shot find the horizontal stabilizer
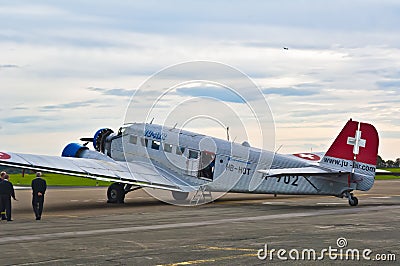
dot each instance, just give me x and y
(303, 171)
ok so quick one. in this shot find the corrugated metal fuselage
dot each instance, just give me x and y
(198, 160)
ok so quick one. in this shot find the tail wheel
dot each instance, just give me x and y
(116, 193)
(353, 201)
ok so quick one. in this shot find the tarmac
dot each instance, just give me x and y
(79, 228)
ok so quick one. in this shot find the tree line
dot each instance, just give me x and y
(380, 163)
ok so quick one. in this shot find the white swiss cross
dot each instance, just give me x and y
(357, 142)
(307, 156)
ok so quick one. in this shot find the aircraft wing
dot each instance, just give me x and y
(303, 171)
(144, 174)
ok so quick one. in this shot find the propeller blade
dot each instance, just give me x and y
(87, 139)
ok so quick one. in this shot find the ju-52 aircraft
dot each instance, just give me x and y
(146, 155)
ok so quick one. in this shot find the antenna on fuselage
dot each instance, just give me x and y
(278, 149)
(227, 133)
(151, 122)
(174, 126)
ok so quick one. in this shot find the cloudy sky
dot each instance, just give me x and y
(68, 68)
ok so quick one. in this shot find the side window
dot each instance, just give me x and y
(144, 141)
(167, 147)
(155, 144)
(180, 150)
(193, 154)
(133, 139)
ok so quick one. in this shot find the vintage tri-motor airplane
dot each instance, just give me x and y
(149, 155)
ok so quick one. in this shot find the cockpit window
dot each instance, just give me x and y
(144, 141)
(180, 150)
(133, 139)
(121, 131)
(167, 147)
(193, 154)
(155, 144)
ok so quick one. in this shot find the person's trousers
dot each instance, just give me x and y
(37, 204)
(5, 204)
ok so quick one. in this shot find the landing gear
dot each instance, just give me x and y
(180, 196)
(116, 193)
(353, 201)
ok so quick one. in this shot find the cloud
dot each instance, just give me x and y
(9, 66)
(71, 105)
(113, 92)
(19, 108)
(395, 84)
(345, 64)
(290, 91)
(385, 102)
(222, 94)
(21, 119)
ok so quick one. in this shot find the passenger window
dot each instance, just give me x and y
(155, 144)
(133, 139)
(193, 154)
(180, 150)
(167, 147)
(144, 141)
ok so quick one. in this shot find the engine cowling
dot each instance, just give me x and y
(73, 150)
(77, 150)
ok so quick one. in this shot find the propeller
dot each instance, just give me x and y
(86, 140)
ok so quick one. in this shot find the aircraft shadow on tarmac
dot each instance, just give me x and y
(305, 205)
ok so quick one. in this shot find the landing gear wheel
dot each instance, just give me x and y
(180, 196)
(116, 193)
(353, 201)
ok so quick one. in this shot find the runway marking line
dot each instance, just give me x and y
(200, 261)
(191, 262)
(291, 199)
(331, 203)
(121, 230)
(228, 248)
(62, 215)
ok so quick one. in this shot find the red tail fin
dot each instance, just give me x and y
(355, 150)
(357, 141)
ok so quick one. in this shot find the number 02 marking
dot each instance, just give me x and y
(288, 178)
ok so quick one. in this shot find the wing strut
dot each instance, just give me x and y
(308, 180)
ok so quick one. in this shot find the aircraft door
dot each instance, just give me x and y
(192, 162)
(206, 165)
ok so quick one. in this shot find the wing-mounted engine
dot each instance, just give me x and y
(101, 142)
(77, 150)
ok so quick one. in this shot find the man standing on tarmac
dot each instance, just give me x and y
(6, 192)
(39, 187)
(2, 210)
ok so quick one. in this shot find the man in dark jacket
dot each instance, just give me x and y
(2, 210)
(39, 187)
(6, 192)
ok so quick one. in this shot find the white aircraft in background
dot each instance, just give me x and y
(149, 155)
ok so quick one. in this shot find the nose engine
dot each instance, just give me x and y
(102, 140)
